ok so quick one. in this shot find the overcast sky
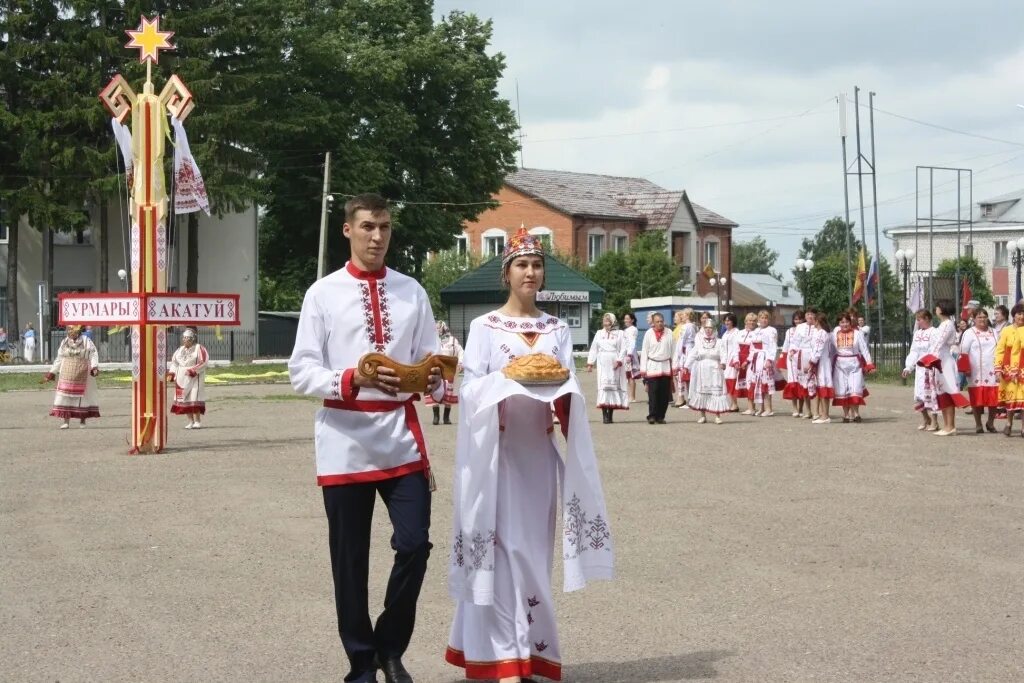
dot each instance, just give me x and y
(735, 101)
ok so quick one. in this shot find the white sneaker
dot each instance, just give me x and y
(756, 413)
(196, 425)
(822, 421)
(718, 420)
(188, 426)
(65, 425)
(798, 414)
(701, 420)
(747, 412)
(768, 414)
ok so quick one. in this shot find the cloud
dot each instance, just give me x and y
(658, 78)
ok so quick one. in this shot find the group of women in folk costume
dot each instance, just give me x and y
(752, 371)
(510, 474)
(608, 353)
(448, 345)
(75, 368)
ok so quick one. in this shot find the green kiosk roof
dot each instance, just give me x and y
(483, 285)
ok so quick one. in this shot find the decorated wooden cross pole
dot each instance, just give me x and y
(149, 308)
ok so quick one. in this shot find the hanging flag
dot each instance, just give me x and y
(123, 136)
(916, 299)
(873, 282)
(189, 189)
(862, 273)
(965, 298)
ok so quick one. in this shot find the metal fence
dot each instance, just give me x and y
(231, 345)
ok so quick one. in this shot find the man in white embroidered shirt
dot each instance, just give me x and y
(368, 438)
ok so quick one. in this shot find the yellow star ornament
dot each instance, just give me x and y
(149, 40)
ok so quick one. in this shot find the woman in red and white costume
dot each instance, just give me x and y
(509, 478)
(632, 365)
(739, 359)
(187, 370)
(608, 354)
(706, 363)
(942, 368)
(761, 382)
(448, 345)
(822, 355)
(853, 361)
(793, 391)
(924, 389)
(684, 334)
(978, 348)
(729, 341)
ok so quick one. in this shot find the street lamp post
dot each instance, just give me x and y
(904, 257)
(718, 282)
(804, 265)
(1018, 262)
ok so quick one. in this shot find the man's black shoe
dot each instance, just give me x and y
(394, 672)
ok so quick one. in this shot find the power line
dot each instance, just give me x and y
(948, 129)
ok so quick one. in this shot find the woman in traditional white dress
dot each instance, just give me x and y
(761, 381)
(853, 361)
(75, 368)
(448, 345)
(187, 370)
(924, 390)
(608, 353)
(822, 358)
(798, 363)
(706, 362)
(508, 469)
(683, 334)
(792, 390)
(28, 339)
(729, 321)
(942, 368)
(978, 349)
(630, 332)
(739, 360)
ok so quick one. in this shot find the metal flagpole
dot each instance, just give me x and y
(874, 200)
(846, 197)
(860, 177)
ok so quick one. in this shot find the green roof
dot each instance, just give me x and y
(483, 285)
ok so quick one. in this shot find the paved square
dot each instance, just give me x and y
(759, 550)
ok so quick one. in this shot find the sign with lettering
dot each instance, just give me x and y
(100, 309)
(192, 309)
(564, 297)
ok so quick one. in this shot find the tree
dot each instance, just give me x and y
(443, 269)
(970, 269)
(410, 110)
(646, 270)
(754, 256)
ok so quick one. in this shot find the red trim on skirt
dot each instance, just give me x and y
(77, 413)
(612, 407)
(825, 392)
(983, 397)
(849, 401)
(506, 668)
(189, 408)
(794, 390)
(952, 401)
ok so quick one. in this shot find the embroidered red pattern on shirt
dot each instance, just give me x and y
(376, 313)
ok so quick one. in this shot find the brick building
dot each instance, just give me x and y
(584, 215)
(993, 224)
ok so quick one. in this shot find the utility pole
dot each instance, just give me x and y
(519, 122)
(325, 201)
(846, 197)
(874, 200)
(860, 171)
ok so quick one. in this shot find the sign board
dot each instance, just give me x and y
(162, 308)
(99, 309)
(564, 297)
(177, 308)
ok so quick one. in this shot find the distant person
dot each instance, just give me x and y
(608, 354)
(1000, 318)
(683, 335)
(924, 390)
(87, 332)
(1009, 361)
(864, 328)
(706, 362)
(656, 367)
(729, 334)
(978, 353)
(630, 332)
(939, 360)
(75, 368)
(793, 390)
(448, 345)
(187, 370)
(29, 340)
(853, 362)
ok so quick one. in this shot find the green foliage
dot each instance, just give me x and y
(646, 270)
(442, 270)
(971, 270)
(754, 256)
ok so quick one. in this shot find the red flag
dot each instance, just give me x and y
(965, 297)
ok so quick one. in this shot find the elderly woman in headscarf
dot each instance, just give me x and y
(187, 370)
(608, 352)
(75, 368)
(448, 345)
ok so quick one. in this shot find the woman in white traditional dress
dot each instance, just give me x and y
(187, 370)
(683, 335)
(28, 338)
(761, 376)
(792, 390)
(729, 322)
(448, 345)
(507, 474)
(630, 332)
(942, 368)
(924, 390)
(76, 366)
(853, 361)
(608, 353)
(799, 365)
(822, 355)
(978, 347)
(739, 360)
(706, 362)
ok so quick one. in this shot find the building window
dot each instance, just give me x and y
(595, 247)
(544, 233)
(492, 242)
(711, 254)
(987, 210)
(620, 244)
(573, 314)
(1002, 256)
(462, 245)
